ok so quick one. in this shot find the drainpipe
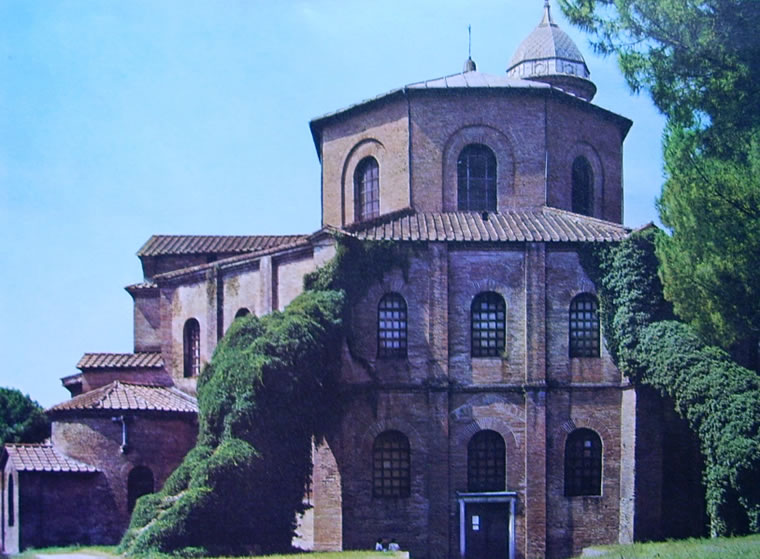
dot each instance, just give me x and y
(123, 420)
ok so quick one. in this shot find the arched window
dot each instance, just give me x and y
(242, 312)
(192, 348)
(476, 179)
(584, 326)
(583, 186)
(391, 326)
(486, 462)
(11, 502)
(367, 189)
(139, 483)
(583, 463)
(488, 318)
(391, 465)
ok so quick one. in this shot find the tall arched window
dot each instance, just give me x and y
(488, 321)
(139, 483)
(367, 189)
(391, 326)
(11, 502)
(192, 348)
(391, 465)
(476, 179)
(584, 326)
(486, 462)
(583, 186)
(583, 463)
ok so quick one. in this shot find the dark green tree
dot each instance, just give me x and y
(21, 418)
(709, 261)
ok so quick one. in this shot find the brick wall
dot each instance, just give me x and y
(158, 441)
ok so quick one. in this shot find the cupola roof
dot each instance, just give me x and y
(549, 54)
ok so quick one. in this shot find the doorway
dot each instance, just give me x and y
(487, 525)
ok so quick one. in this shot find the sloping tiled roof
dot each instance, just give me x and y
(124, 396)
(44, 458)
(161, 245)
(147, 360)
(519, 225)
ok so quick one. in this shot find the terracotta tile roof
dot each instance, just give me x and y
(43, 458)
(519, 225)
(295, 242)
(161, 245)
(147, 360)
(124, 396)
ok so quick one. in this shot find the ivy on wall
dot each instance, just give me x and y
(719, 399)
(269, 388)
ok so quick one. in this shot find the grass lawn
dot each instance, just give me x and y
(95, 550)
(110, 552)
(716, 548)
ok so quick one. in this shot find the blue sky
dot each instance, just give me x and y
(119, 120)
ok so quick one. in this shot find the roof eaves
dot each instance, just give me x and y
(317, 124)
(232, 261)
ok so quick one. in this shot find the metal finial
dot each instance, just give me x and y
(469, 64)
(547, 19)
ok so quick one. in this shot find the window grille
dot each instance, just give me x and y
(584, 326)
(367, 188)
(476, 179)
(488, 325)
(391, 465)
(486, 462)
(391, 326)
(583, 463)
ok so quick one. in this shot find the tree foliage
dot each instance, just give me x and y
(268, 390)
(262, 397)
(21, 418)
(699, 59)
(719, 399)
(709, 262)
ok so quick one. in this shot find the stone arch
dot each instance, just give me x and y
(370, 434)
(589, 152)
(368, 147)
(498, 143)
(562, 431)
(461, 437)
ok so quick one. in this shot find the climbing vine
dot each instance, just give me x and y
(719, 399)
(269, 389)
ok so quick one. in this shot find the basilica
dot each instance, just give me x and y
(483, 415)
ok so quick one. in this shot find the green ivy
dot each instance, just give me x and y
(719, 399)
(268, 390)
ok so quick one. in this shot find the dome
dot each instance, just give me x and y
(548, 54)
